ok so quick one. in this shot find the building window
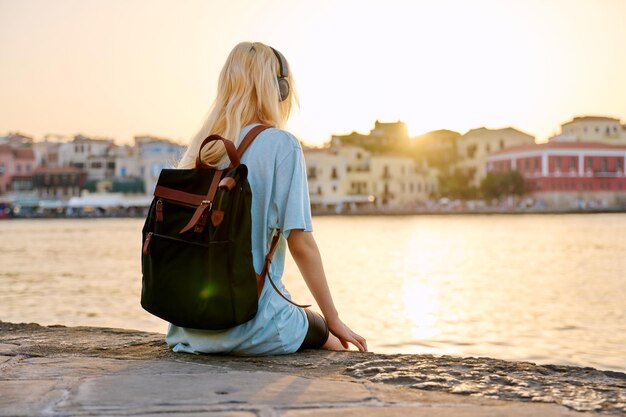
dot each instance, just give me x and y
(1, 170)
(588, 163)
(334, 175)
(334, 188)
(123, 172)
(572, 164)
(557, 162)
(618, 164)
(156, 169)
(501, 143)
(18, 167)
(597, 129)
(605, 164)
(319, 189)
(471, 151)
(312, 174)
(111, 165)
(96, 165)
(537, 162)
(527, 163)
(487, 148)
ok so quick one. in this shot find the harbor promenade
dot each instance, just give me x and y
(84, 371)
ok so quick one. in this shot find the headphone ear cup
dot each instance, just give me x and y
(283, 88)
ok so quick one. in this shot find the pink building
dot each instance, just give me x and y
(16, 163)
(568, 174)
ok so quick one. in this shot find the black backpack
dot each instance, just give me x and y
(196, 259)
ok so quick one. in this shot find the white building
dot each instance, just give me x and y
(88, 154)
(147, 158)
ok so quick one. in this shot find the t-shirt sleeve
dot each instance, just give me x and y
(291, 194)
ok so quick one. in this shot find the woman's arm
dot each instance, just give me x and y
(307, 256)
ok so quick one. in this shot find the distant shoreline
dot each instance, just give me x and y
(472, 212)
(372, 213)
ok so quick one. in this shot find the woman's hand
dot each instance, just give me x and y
(346, 335)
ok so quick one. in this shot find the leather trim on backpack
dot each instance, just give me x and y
(177, 195)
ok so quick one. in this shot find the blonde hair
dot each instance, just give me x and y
(247, 90)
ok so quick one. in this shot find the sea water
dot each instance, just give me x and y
(540, 288)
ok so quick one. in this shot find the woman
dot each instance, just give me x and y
(254, 88)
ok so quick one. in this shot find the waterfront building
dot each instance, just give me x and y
(58, 183)
(592, 129)
(17, 163)
(384, 135)
(438, 147)
(326, 173)
(146, 159)
(398, 181)
(348, 176)
(568, 174)
(16, 140)
(89, 154)
(47, 151)
(474, 146)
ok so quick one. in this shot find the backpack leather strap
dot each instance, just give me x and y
(199, 218)
(260, 278)
(253, 133)
(230, 150)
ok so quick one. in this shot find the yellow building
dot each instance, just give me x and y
(348, 176)
(592, 129)
(474, 146)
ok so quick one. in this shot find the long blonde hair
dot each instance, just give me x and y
(247, 90)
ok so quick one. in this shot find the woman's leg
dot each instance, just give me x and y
(333, 343)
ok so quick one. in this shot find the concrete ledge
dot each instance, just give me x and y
(82, 371)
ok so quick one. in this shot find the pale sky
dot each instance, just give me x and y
(119, 68)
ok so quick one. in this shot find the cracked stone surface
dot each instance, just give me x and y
(83, 371)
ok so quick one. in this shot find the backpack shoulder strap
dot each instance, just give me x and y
(252, 134)
(260, 278)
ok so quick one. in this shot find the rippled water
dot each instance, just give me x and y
(543, 288)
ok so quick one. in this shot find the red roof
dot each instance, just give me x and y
(561, 145)
(20, 153)
(24, 153)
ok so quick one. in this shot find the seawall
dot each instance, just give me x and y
(67, 371)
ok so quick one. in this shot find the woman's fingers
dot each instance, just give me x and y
(359, 342)
(346, 335)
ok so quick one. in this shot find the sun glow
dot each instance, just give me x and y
(448, 64)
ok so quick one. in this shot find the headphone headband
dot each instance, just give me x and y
(284, 68)
(283, 82)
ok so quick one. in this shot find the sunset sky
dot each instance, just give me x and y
(120, 68)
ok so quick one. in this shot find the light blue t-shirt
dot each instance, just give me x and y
(280, 200)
